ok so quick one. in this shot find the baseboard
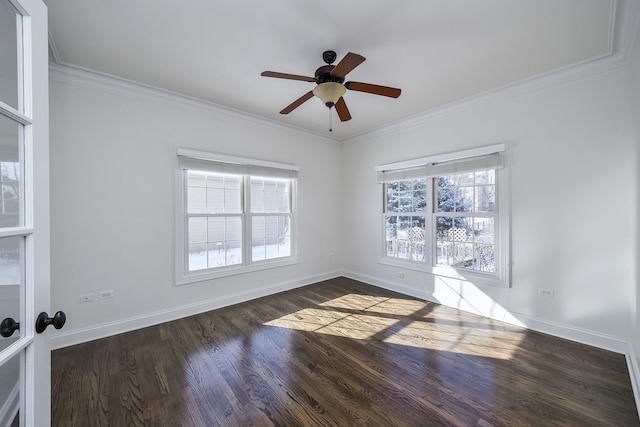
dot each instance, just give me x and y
(583, 336)
(392, 286)
(634, 374)
(10, 408)
(572, 333)
(78, 336)
(69, 338)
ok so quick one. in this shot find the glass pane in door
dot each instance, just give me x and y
(9, 52)
(10, 173)
(11, 280)
(10, 391)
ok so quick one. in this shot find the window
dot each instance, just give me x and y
(447, 215)
(405, 218)
(235, 215)
(270, 218)
(214, 220)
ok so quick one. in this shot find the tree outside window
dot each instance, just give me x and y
(463, 217)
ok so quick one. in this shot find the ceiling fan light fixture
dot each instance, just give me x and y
(330, 86)
(329, 92)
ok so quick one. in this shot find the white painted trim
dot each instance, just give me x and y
(634, 374)
(572, 333)
(595, 339)
(583, 336)
(456, 155)
(627, 17)
(53, 49)
(613, 6)
(490, 312)
(621, 42)
(79, 76)
(187, 278)
(219, 157)
(68, 338)
(13, 114)
(9, 410)
(16, 232)
(502, 276)
(71, 74)
(528, 86)
(627, 21)
(392, 286)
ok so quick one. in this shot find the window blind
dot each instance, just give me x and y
(194, 163)
(429, 170)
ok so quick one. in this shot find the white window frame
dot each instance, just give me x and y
(412, 169)
(245, 167)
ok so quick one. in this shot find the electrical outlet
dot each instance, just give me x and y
(87, 297)
(545, 292)
(400, 275)
(106, 294)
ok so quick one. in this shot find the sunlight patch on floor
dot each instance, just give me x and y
(458, 339)
(405, 322)
(356, 326)
(308, 319)
(354, 302)
(398, 307)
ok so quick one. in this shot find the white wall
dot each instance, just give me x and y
(572, 161)
(572, 166)
(112, 206)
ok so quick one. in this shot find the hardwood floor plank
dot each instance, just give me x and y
(297, 368)
(339, 353)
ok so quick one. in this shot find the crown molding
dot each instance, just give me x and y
(627, 24)
(524, 87)
(79, 76)
(53, 50)
(625, 20)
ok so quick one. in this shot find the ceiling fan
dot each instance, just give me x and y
(330, 84)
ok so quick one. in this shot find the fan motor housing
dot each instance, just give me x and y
(323, 75)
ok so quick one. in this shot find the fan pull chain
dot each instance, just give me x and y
(330, 120)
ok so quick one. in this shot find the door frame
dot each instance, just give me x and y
(33, 114)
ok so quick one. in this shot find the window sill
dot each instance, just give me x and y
(203, 275)
(476, 278)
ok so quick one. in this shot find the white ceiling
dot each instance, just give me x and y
(437, 51)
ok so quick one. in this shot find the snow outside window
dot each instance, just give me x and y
(232, 222)
(447, 216)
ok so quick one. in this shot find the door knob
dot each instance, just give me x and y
(44, 320)
(8, 327)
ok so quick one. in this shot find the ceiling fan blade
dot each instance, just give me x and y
(342, 110)
(348, 63)
(287, 76)
(391, 92)
(298, 102)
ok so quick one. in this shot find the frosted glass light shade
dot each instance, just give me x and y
(329, 92)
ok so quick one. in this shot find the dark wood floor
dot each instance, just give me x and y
(339, 353)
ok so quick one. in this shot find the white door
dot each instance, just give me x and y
(25, 397)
